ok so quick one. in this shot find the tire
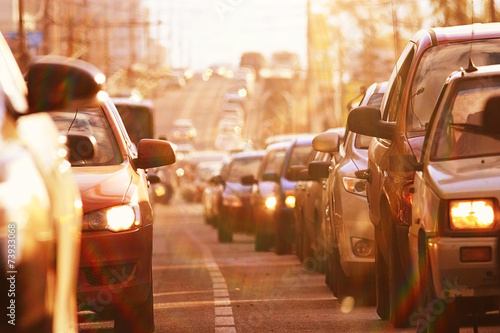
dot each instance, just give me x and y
(400, 308)
(262, 241)
(284, 239)
(329, 274)
(434, 314)
(381, 285)
(341, 282)
(225, 229)
(138, 318)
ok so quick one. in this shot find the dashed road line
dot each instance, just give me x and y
(224, 319)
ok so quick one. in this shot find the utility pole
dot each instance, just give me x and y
(23, 54)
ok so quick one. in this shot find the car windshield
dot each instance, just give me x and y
(275, 161)
(90, 121)
(433, 70)
(243, 167)
(458, 134)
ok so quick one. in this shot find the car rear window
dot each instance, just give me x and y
(458, 134)
(243, 167)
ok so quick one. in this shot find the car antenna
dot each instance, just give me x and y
(471, 67)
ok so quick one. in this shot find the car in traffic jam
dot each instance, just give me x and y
(192, 167)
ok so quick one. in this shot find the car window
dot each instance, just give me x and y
(274, 162)
(455, 137)
(397, 82)
(300, 155)
(90, 121)
(435, 66)
(243, 167)
(137, 120)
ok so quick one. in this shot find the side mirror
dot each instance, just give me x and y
(404, 163)
(271, 176)
(293, 172)
(326, 142)
(366, 120)
(154, 153)
(304, 175)
(248, 180)
(81, 147)
(217, 180)
(319, 169)
(56, 82)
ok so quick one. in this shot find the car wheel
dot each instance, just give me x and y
(329, 273)
(400, 308)
(138, 318)
(381, 285)
(283, 239)
(225, 230)
(341, 283)
(434, 314)
(262, 241)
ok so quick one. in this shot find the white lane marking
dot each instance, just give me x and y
(224, 320)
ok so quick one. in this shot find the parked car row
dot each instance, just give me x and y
(405, 207)
(431, 183)
(75, 201)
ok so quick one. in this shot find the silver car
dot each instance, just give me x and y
(350, 234)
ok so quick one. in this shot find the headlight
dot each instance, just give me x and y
(290, 198)
(271, 203)
(117, 218)
(231, 201)
(472, 214)
(355, 185)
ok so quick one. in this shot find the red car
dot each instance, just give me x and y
(115, 274)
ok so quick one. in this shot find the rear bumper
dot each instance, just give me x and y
(115, 268)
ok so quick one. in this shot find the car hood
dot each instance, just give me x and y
(103, 186)
(465, 178)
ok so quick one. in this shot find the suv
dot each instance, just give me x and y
(454, 228)
(399, 127)
(273, 196)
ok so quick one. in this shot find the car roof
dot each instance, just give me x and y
(298, 140)
(248, 153)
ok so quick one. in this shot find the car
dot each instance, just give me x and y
(237, 94)
(231, 110)
(308, 212)
(182, 130)
(399, 127)
(117, 212)
(40, 205)
(235, 212)
(350, 235)
(273, 194)
(174, 81)
(253, 59)
(310, 205)
(453, 234)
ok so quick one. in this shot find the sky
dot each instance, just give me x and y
(199, 33)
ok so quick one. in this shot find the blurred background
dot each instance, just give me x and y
(341, 45)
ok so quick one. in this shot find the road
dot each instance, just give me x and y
(201, 285)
